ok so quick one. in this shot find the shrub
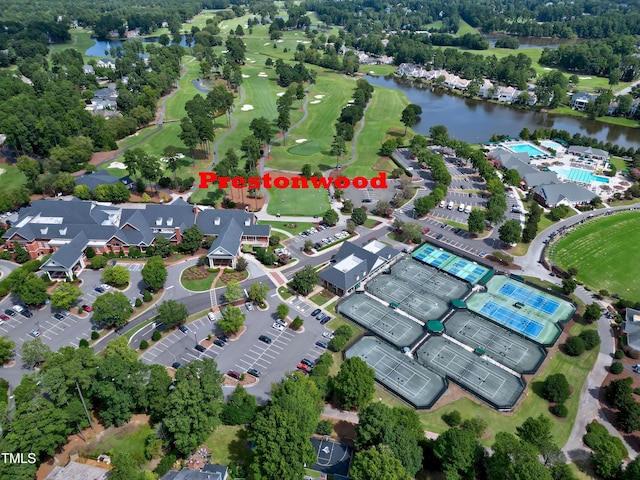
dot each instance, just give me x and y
(90, 253)
(138, 302)
(95, 335)
(98, 262)
(297, 323)
(5, 255)
(559, 410)
(590, 338)
(83, 343)
(144, 345)
(146, 297)
(616, 368)
(636, 391)
(453, 419)
(340, 338)
(619, 354)
(165, 182)
(556, 388)
(574, 346)
(631, 352)
(156, 336)
(325, 427)
(165, 464)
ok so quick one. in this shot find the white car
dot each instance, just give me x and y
(328, 334)
(105, 286)
(277, 326)
(34, 333)
(249, 306)
(211, 316)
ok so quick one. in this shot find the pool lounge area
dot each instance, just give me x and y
(579, 175)
(526, 148)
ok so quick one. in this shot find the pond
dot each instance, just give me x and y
(101, 47)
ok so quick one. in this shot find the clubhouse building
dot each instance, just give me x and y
(66, 229)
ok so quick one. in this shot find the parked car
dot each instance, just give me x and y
(176, 365)
(34, 333)
(18, 308)
(306, 361)
(304, 368)
(234, 374)
(219, 342)
(4, 317)
(87, 308)
(265, 339)
(328, 334)
(425, 230)
(277, 326)
(201, 348)
(254, 372)
(315, 312)
(99, 289)
(223, 337)
(322, 344)
(57, 316)
(105, 286)
(249, 306)
(183, 328)
(10, 312)
(211, 316)
(325, 320)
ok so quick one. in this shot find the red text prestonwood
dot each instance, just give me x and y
(267, 181)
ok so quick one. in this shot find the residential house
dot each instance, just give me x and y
(631, 328)
(353, 265)
(570, 194)
(635, 106)
(78, 471)
(588, 152)
(580, 100)
(47, 225)
(485, 89)
(88, 70)
(132, 33)
(106, 63)
(208, 472)
(506, 94)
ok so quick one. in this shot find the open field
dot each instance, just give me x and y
(603, 253)
(289, 201)
(175, 106)
(229, 444)
(11, 177)
(288, 226)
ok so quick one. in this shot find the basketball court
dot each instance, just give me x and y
(331, 457)
(409, 379)
(380, 319)
(499, 343)
(474, 373)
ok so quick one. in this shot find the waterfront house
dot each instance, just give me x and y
(580, 100)
(106, 63)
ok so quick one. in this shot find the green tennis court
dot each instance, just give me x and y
(453, 264)
(436, 282)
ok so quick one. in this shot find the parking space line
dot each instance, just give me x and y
(268, 356)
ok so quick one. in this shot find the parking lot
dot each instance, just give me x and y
(320, 237)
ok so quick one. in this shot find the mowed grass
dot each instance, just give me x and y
(294, 202)
(604, 253)
(381, 121)
(175, 105)
(80, 40)
(575, 369)
(229, 444)
(305, 149)
(293, 228)
(11, 177)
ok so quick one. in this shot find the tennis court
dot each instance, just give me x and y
(450, 263)
(472, 372)
(529, 297)
(499, 343)
(410, 380)
(411, 298)
(428, 278)
(380, 319)
(511, 319)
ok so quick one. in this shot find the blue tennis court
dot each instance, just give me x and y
(529, 297)
(510, 319)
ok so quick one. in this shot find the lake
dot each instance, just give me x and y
(531, 42)
(102, 46)
(475, 121)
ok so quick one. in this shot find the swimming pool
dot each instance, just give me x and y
(552, 145)
(526, 148)
(579, 175)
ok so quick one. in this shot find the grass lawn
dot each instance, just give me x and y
(292, 228)
(619, 163)
(11, 177)
(131, 442)
(576, 371)
(229, 444)
(602, 251)
(382, 121)
(284, 292)
(198, 285)
(305, 149)
(80, 40)
(321, 298)
(370, 223)
(288, 201)
(175, 105)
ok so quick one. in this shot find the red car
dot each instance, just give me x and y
(4, 317)
(87, 308)
(234, 374)
(304, 368)
(426, 230)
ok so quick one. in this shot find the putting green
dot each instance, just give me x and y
(305, 149)
(603, 252)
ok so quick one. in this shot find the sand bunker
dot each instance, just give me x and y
(548, 69)
(2, 170)
(224, 51)
(584, 78)
(280, 41)
(280, 94)
(298, 41)
(318, 96)
(265, 44)
(113, 165)
(263, 75)
(246, 108)
(301, 140)
(351, 101)
(314, 102)
(245, 75)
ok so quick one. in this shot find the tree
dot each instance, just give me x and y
(258, 292)
(607, 459)
(65, 295)
(629, 416)
(456, 449)
(117, 276)
(261, 129)
(305, 280)
(633, 470)
(411, 232)
(559, 212)
(476, 221)
(308, 245)
(537, 432)
(6, 349)
(241, 408)
(124, 467)
(297, 323)
(359, 215)
(172, 313)
(512, 177)
(354, 384)
(34, 352)
(556, 388)
(20, 254)
(384, 208)
(83, 192)
(410, 116)
(569, 285)
(232, 320)
(194, 405)
(591, 339)
(619, 392)
(377, 462)
(112, 309)
(32, 290)
(171, 156)
(233, 292)
(161, 247)
(30, 168)
(282, 311)
(306, 170)
(338, 148)
(191, 239)
(330, 217)
(592, 312)
(510, 232)
(154, 273)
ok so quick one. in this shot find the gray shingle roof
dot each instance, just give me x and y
(536, 178)
(97, 178)
(554, 193)
(67, 255)
(631, 326)
(228, 242)
(208, 472)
